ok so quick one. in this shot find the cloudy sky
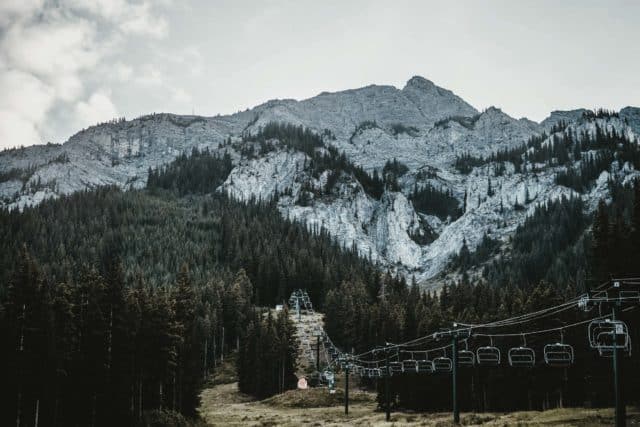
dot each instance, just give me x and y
(68, 64)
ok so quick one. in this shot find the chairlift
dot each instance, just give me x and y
(608, 352)
(442, 363)
(558, 355)
(523, 356)
(466, 358)
(488, 355)
(424, 366)
(410, 366)
(395, 368)
(607, 334)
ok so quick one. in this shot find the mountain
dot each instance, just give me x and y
(407, 153)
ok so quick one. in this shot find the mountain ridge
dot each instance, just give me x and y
(424, 128)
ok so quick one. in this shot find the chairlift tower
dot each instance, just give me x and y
(455, 334)
(611, 337)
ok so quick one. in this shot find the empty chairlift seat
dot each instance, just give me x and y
(442, 364)
(558, 355)
(607, 334)
(466, 358)
(395, 368)
(523, 356)
(410, 366)
(609, 351)
(488, 355)
(424, 366)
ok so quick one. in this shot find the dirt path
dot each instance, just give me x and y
(223, 405)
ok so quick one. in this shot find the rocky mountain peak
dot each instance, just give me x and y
(426, 129)
(435, 103)
(420, 82)
(566, 116)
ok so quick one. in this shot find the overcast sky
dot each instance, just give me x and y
(68, 64)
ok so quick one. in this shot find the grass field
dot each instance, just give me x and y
(223, 405)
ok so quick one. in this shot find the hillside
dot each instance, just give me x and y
(443, 149)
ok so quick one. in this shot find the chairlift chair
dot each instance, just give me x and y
(424, 366)
(607, 334)
(608, 352)
(488, 355)
(558, 355)
(442, 363)
(466, 358)
(523, 356)
(395, 368)
(410, 366)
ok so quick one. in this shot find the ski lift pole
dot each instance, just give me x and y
(346, 389)
(386, 387)
(318, 352)
(454, 379)
(619, 400)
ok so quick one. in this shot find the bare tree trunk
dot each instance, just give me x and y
(110, 339)
(21, 348)
(55, 409)
(485, 398)
(132, 401)
(160, 394)
(18, 409)
(140, 400)
(37, 413)
(173, 397)
(214, 351)
(222, 347)
(206, 345)
(93, 411)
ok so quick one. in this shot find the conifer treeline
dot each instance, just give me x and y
(201, 172)
(359, 320)
(431, 200)
(267, 356)
(93, 350)
(323, 157)
(104, 328)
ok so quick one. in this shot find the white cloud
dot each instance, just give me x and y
(132, 18)
(180, 95)
(25, 95)
(52, 48)
(52, 55)
(98, 108)
(141, 21)
(122, 72)
(12, 10)
(149, 75)
(15, 130)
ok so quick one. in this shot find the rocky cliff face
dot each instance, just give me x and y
(423, 126)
